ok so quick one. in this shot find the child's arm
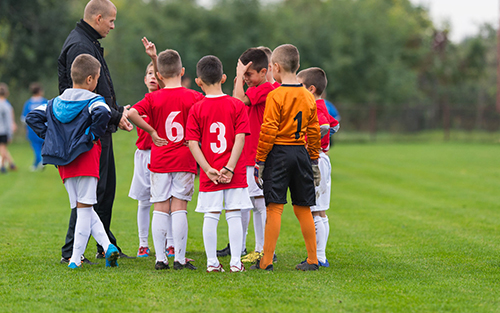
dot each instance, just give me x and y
(151, 51)
(239, 91)
(37, 119)
(142, 124)
(100, 113)
(213, 174)
(313, 135)
(227, 171)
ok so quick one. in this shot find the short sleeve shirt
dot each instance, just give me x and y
(168, 110)
(215, 122)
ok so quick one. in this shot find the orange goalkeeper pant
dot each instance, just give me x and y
(272, 231)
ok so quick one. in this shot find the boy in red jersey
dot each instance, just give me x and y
(252, 70)
(220, 123)
(140, 188)
(269, 74)
(314, 79)
(71, 125)
(289, 116)
(172, 166)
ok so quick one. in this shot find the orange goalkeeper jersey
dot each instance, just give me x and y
(290, 114)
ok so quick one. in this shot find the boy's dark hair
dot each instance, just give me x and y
(257, 57)
(4, 90)
(36, 88)
(287, 56)
(169, 63)
(84, 66)
(267, 51)
(314, 76)
(209, 69)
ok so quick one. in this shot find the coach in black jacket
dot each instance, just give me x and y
(98, 20)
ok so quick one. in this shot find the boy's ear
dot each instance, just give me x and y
(159, 76)
(183, 71)
(263, 71)
(312, 89)
(89, 79)
(198, 82)
(277, 67)
(223, 79)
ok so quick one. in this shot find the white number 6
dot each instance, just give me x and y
(170, 124)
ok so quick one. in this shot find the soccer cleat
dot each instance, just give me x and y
(324, 264)
(256, 266)
(275, 258)
(211, 269)
(87, 261)
(112, 255)
(3, 170)
(236, 269)
(161, 266)
(179, 266)
(244, 252)
(124, 256)
(252, 257)
(100, 255)
(73, 265)
(170, 252)
(224, 252)
(304, 266)
(143, 252)
(64, 261)
(13, 167)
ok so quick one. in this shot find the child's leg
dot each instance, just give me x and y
(143, 220)
(245, 221)
(306, 221)
(170, 236)
(272, 232)
(210, 222)
(327, 226)
(37, 147)
(235, 230)
(179, 225)
(82, 231)
(98, 231)
(320, 237)
(3, 154)
(259, 221)
(159, 229)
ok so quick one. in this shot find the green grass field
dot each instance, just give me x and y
(414, 228)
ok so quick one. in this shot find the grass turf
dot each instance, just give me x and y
(413, 227)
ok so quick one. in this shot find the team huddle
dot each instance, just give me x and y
(251, 148)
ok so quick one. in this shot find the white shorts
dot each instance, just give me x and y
(253, 189)
(227, 199)
(323, 191)
(82, 189)
(140, 188)
(167, 185)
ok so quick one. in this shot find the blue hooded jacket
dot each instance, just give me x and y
(69, 124)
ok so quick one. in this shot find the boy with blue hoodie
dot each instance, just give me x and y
(71, 125)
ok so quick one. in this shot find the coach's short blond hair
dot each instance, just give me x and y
(96, 7)
(84, 66)
(169, 63)
(287, 56)
(314, 76)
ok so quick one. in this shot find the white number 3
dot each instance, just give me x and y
(170, 125)
(220, 137)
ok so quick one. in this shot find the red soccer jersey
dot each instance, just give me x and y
(168, 110)
(86, 164)
(215, 122)
(144, 141)
(276, 85)
(257, 96)
(324, 118)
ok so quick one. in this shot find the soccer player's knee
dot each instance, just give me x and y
(233, 214)
(213, 216)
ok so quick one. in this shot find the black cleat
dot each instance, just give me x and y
(224, 252)
(84, 260)
(304, 266)
(161, 266)
(124, 256)
(188, 265)
(256, 266)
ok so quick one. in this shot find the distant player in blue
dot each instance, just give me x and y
(36, 100)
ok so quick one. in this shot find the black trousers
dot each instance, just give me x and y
(106, 188)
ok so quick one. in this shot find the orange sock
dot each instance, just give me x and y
(271, 233)
(306, 221)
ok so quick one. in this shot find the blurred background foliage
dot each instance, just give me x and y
(383, 54)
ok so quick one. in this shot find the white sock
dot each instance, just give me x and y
(210, 222)
(320, 238)
(143, 220)
(180, 234)
(327, 229)
(235, 234)
(82, 233)
(259, 222)
(98, 231)
(245, 221)
(159, 230)
(170, 236)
